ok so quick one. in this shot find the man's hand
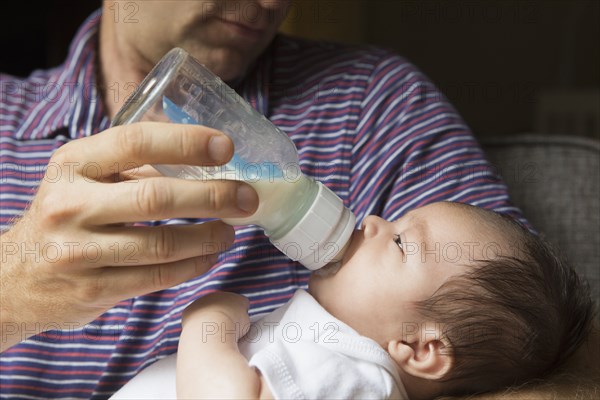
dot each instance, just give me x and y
(75, 253)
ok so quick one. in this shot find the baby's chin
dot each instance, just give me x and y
(322, 278)
(328, 270)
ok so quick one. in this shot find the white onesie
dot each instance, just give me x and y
(303, 352)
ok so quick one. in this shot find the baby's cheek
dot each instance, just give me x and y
(423, 287)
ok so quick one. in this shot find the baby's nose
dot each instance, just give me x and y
(372, 225)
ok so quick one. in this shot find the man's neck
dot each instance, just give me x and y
(120, 69)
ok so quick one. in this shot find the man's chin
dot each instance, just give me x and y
(228, 63)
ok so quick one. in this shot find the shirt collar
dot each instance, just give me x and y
(69, 98)
(255, 85)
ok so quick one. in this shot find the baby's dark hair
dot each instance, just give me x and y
(511, 318)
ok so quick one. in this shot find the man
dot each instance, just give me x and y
(100, 298)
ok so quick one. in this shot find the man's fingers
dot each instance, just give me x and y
(141, 245)
(162, 198)
(125, 147)
(145, 171)
(125, 282)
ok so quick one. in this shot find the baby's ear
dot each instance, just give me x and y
(424, 354)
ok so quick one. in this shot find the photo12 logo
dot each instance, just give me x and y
(271, 332)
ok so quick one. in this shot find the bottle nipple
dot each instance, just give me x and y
(340, 254)
(336, 262)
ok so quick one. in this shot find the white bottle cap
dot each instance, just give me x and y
(320, 235)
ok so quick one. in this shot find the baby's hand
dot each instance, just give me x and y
(219, 307)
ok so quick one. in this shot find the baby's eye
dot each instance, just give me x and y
(398, 241)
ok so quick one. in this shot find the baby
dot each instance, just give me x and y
(449, 299)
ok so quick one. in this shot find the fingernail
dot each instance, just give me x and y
(247, 199)
(219, 148)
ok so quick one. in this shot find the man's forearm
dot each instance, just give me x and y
(209, 364)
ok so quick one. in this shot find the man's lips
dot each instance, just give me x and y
(244, 29)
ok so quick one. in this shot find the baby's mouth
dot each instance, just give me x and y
(340, 259)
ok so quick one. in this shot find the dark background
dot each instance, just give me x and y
(36, 35)
(506, 65)
(509, 66)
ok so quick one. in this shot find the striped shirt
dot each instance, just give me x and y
(366, 123)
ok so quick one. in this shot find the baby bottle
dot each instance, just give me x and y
(302, 217)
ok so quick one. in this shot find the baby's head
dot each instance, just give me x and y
(463, 299)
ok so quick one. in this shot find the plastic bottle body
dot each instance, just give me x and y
(282, 203)
(301, 217)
